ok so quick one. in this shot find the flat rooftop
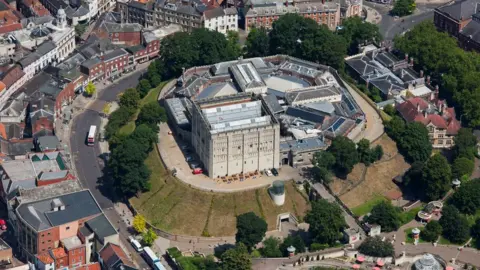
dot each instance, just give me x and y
(236, 116)
(50, 191)
(312, 93)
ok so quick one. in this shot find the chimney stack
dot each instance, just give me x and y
(421, 73)
(286, 3)
(406, 57)
(418, 107)
(411, 61)
(428, 79)
(425, 113)
(432, 96)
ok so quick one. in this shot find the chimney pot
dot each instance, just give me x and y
(428, 79)
(421, 73)
(406, 57)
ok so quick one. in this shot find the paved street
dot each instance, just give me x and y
(389, 27)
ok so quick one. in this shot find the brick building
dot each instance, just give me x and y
(10, 18)
(454, 16)
(263, 13)
(32, 8)
(108, 26)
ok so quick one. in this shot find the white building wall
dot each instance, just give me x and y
(222, 24)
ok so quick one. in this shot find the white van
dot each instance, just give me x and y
(136, 245)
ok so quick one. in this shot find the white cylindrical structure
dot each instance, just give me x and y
(277, 192)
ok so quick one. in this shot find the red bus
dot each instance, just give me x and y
(91, 135)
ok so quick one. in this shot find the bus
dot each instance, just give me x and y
(91, 135)
(152, 259)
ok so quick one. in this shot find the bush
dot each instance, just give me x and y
(374, 246)
(317, 246)
(432, 231)
(295, 241)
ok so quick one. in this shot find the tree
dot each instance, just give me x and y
(257, 42)
(455, 226)
(462, 166)
(432, 231)
(144, 87)
(412, 179)
(90, 89)
(149, 236)
(233, 44)
(356, 31)
(297, 36)
(128, 169)
(106, 108)
(414, 143)
(403, 7)
(465, 144)
(139, 223)
(295, 241)
(436, 177)
(251, 229)
(80, 29)
(326, 222)
(389, 109)
(375, 247)
(236, 259)
(363, 149)
(395, 127)
(345, 153)
(145, 137)
(476, 230)
(467, 197)
(151, 114)
(323, 162)
(271, 248)
(130, 99)
(385, 215)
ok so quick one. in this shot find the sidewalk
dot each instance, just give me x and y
(373, 16)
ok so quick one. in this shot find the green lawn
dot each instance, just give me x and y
(367, 207)
(152, 96)
(410, 214)
(472, 218)
(444, 241)
(409, 235)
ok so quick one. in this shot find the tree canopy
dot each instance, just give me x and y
(251, 229)
(90, 89)
(457, 71)
(465, 144)
(295, 241)
(414, 143)
(257, 42)
(130, 99)
(345, 153)
(467, 197)
(436, 177)
(197, 48)
(151, 114)
(432, 231)
(374, 246)
(271, 248)
(236, 259)
(462, 167)
(385, 215)
(403, 7)
(326, 222)
(356, 31)
(455, 226)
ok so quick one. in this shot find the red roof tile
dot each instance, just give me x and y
(437, 120)
(91, 266)
(58, 253)
(409, 109)
(45, 258)
(12, 75)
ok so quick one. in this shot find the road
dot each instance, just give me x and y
(88, 161)
(389, 27)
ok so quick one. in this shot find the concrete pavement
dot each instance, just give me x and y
(374, 127)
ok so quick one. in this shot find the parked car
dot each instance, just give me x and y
(189, 158)
(274, 171)
(268, 172)
(135, 244)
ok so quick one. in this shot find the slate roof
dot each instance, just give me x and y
(460, 10)
(48, 143)
(114, 54)
(214, 13)
(17, 147)
(472, 30)
(114, 257)
(101, 227)
(273, 104)
(40, 216)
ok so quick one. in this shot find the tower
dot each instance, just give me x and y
(61, 18)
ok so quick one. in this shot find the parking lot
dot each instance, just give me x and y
(175, 154)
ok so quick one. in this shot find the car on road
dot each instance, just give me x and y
(135, 244)
(268, 172)
(274, 171)
(189, 158)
